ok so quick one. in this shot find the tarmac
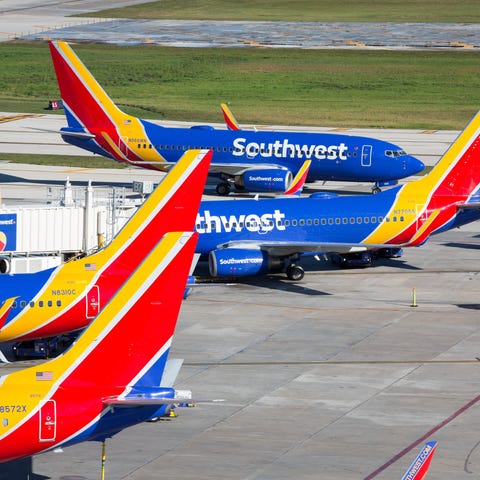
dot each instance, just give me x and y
(342, 376)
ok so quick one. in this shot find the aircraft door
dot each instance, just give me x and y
(367, 156)
(93, 302)
(48, 421)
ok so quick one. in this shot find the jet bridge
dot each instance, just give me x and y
(79, 221)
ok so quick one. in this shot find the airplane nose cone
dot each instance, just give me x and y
(413, 165)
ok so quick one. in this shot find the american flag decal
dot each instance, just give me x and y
(43, 376)
(90, 266)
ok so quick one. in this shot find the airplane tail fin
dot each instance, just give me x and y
(229, 118)
(94, 121)
(419, 467)
(131, 336)
(457, 173)
(168, 208)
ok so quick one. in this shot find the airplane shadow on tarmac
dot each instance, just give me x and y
(19, 470)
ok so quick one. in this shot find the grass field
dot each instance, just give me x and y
(305, 10)
(409, 89)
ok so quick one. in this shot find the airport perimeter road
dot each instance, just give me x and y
(331, 378)
(29, 17)
(18, 134)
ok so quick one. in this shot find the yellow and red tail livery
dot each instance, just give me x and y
(121, 355)
(68, 297)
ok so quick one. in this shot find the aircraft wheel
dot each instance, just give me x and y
(376, 190)
(223, 189)
(295, 273)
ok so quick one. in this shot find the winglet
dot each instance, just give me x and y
(298, 182)
(419, 467)
(229, 118)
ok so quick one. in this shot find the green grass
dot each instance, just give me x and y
(304, 10)
(77, 161)
(409, 89)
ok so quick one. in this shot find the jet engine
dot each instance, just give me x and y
(267, 180)
(238, 262)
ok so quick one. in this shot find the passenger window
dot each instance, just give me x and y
(294, 223)
(345, 221)
(50, 303)
(316, 222)
(23, 304)
(32, 304)
(337, 221)
(302, 222)
(59, 303)
(359, 220)
(40, 303)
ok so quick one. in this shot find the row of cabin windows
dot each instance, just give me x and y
(218, 149)
(302, 222)
(40, 303)
(185, 148)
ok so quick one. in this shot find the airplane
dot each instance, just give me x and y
(67, 297)
(419, 467)
(256, 161)
(116, 374)
(244, 237)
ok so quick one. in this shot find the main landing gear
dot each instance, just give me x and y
(295, 272)
(223, 189)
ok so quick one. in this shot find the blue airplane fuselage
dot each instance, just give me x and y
(334, 156)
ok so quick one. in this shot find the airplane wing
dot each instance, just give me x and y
(286, 249)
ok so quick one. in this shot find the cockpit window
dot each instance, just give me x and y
(395, 153)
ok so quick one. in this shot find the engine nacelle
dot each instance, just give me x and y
(4, 265)
(267, 180)
(238, 262)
